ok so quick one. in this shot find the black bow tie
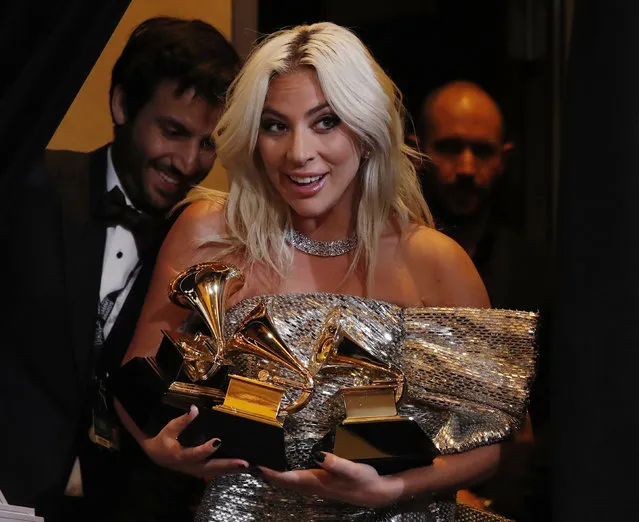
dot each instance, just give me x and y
(146, 229)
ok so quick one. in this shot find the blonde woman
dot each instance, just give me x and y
(324, 208)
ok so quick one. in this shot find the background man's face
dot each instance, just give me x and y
(466, 148)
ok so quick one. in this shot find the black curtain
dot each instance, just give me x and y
(47, 50)
(596, 399)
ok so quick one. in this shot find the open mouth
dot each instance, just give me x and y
(167, 178)
(306, 181)
(306, 186)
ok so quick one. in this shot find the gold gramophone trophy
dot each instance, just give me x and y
(194, 368)
(372, 432)
(252, 409)
(187, 368)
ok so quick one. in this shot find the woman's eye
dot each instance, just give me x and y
(272, 126)
(328, 122)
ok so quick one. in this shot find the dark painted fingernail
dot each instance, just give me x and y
(217, 443)
(319, 456)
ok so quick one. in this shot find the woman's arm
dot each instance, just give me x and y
(359, 484)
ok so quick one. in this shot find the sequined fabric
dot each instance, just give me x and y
(468, 374)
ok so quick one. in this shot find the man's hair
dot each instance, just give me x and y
(364, 98)
(190, 52)
(506, 191)
(426, 110)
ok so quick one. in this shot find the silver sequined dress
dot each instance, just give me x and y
(468, 374)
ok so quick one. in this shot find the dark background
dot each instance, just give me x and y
(47, 49)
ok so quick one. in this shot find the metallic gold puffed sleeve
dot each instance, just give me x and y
(469, 373)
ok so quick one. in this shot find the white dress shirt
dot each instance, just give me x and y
(121, 263)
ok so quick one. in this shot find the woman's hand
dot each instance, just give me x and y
(340, 479)
(165, 450)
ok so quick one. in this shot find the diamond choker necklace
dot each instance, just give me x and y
(320, 248)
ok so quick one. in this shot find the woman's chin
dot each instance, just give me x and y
(309, 209)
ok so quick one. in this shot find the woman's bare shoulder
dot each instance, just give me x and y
(193, 234)
(202, 216)
(199, 220)
(426, 243)
(435, 259)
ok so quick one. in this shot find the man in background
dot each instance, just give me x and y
(461, 130)
(464, 183)
(81, 241)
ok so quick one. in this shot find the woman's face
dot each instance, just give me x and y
(309, 155)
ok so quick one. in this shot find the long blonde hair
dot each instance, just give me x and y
(363, 97)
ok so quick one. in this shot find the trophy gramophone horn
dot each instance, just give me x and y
(181, 287)
(336, 348)
(205, 288)
(257, 335)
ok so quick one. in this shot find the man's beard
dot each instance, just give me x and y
(446, 202)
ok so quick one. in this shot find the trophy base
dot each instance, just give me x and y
(171, 406)
(258, 443)
(155, 390)
(389, 445)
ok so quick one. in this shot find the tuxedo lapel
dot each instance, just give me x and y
(84, 238)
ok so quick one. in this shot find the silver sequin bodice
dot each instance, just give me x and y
(468, 375)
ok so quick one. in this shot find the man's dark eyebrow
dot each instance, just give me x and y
(176, 124)
(310, 112)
